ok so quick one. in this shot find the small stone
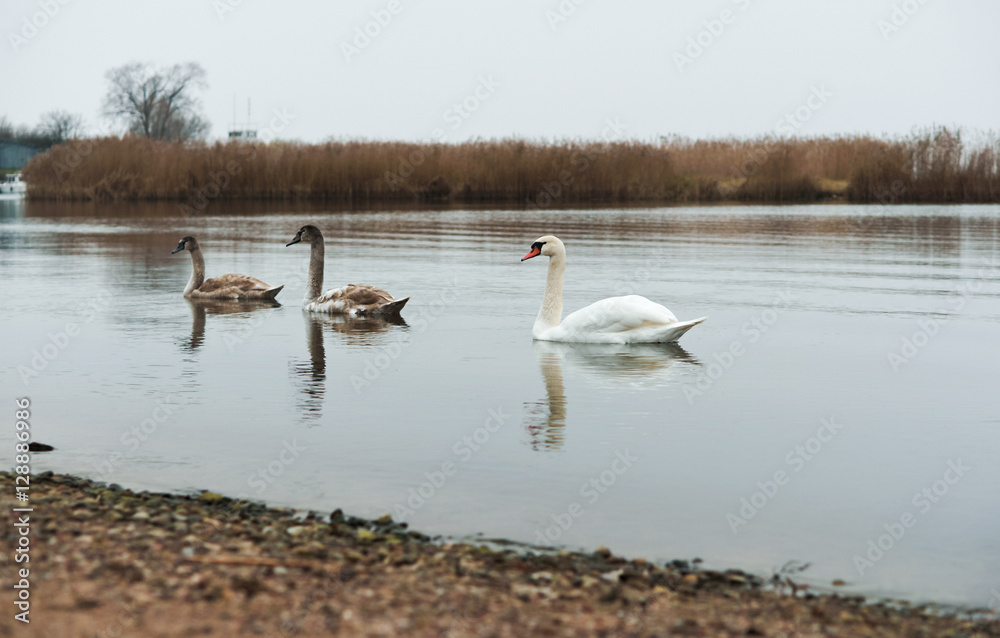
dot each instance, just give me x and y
(295, 531)
(311, 550)
(839, 583)
(385, 519)
(86, 602)
(541, 577)
(613, 576)
(407, 558)
(588, 581)
(141, 515)
(603, 552)
(522, 591)
(210, 497)
(366, 535)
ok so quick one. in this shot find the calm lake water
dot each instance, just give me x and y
(849, 363)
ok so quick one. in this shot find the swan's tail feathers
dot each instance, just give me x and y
(675, 331)
(393, 308)
(271, 293)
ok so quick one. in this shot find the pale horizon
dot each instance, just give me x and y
(449, 71)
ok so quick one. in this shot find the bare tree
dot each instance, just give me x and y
(23, 134)
(60, 126)
(157, 103)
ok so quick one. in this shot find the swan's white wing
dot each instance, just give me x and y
(630, 319)
(618, 314)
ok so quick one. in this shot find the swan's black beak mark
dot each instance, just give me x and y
(536, 250)
(298, 238)
(179, 248)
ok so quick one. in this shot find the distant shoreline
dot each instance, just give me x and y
(933, 166)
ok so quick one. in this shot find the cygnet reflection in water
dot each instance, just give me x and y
(310, 376)
(200, 308)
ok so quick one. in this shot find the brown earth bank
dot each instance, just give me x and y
(110, 562)
(934, 165)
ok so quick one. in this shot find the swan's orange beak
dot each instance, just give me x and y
(535, 251)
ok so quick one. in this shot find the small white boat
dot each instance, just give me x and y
(13, 185)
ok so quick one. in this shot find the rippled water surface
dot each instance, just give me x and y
(849, 360)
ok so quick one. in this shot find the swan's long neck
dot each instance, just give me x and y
(317, 253)
(198, 275)
(550, 313)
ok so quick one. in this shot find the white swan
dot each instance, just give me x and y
(353, 299)
(629, 319)
(231, 286)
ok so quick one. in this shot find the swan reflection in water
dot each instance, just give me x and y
(310, 376)
(644, 366)
(200, 308)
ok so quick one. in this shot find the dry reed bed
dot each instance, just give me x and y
(932, 165)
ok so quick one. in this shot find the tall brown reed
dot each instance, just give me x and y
(932, 165)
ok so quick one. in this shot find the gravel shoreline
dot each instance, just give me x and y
(105, 561)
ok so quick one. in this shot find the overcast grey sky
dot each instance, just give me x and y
(542, 68)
